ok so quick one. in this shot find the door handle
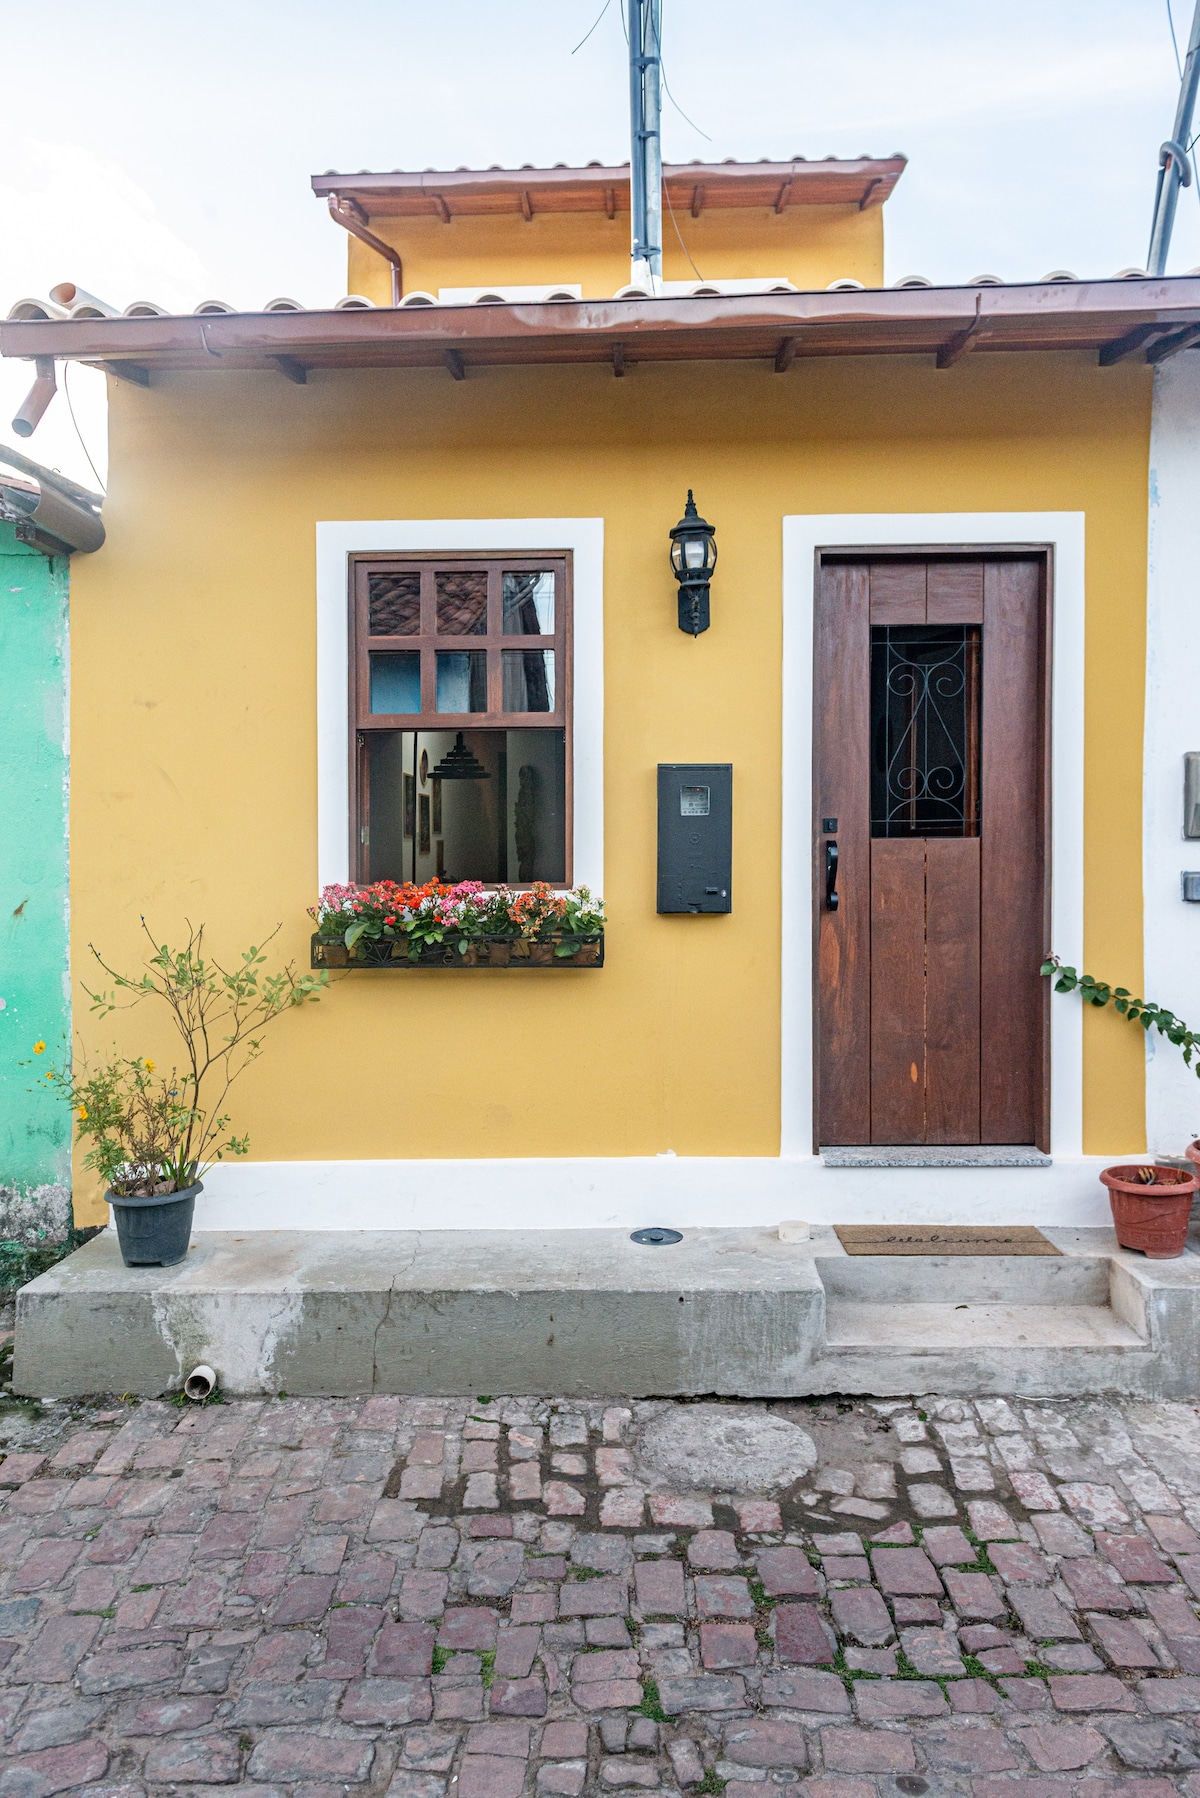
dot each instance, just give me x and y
(831, 869)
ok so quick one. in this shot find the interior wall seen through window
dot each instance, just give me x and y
(497, 815)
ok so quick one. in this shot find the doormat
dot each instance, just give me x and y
(943, 1239)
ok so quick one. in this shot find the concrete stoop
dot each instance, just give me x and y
(590, 1313)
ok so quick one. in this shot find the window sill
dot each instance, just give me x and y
(480, 952)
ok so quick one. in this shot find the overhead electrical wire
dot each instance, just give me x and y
(83, 446)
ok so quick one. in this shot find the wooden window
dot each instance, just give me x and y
(460, 717)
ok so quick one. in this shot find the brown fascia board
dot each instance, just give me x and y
(435, 193)
(905, 321)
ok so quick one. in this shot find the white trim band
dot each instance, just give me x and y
(626, 1192)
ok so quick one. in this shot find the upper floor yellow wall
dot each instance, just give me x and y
(807, 245)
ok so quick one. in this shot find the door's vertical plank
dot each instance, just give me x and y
(898, 592)
(952, 1049)
(897, 989)
(841, 790)
(1012, 873)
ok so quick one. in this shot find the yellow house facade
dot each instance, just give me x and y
(908, 473)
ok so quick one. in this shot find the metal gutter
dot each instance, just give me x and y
(59, 517)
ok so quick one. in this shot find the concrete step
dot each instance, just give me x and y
(900, 1329)
(589, 1313)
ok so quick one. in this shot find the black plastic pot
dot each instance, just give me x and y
(155, 1232)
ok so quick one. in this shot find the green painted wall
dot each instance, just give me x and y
(35, 1133)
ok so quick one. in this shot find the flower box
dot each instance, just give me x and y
(458, 952)
(388, 925)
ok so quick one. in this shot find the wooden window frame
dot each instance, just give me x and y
(426, 642)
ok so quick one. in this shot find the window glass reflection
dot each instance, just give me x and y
(528, 604)
(462, 603)
(528, 680)
(461, 680)
(396, 683)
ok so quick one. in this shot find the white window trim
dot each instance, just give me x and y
(803, 535)
(337, 540)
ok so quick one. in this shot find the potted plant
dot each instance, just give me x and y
(392, 925)
(1151, 1208)
(1151, 1204)
(152, 1134)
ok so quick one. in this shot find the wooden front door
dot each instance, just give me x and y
(930, 848)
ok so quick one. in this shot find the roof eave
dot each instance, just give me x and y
(1049, 316)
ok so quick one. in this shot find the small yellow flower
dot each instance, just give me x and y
(39, 1048)
(49, 1075)
(148, 1065)
(83, 1111)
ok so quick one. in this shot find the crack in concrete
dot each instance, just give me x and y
(387, 1311)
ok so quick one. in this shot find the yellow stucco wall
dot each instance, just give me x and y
(193, 711)
(807, 245)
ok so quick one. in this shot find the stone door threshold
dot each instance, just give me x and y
(929, 1155)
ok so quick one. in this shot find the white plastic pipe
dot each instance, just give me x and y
(200, 1383)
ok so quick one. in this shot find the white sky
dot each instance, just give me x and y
(155, 150)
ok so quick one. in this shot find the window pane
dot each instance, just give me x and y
(462, 680)
(396, 683)
(394, 604)
(528, 680)
(392, 787)
(528, 602)
(536, 804)
(462, 607)
(465, 806)
(925, 730)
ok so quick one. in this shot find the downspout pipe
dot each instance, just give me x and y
(350, 216)
(29, 416)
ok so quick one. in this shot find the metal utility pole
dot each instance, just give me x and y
(645, 162)
(1174, 160)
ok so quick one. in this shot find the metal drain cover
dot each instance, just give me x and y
(656, 1237)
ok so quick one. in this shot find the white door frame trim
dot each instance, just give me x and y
(803, 535)
(337, 539)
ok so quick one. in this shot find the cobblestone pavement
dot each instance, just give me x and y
(488, 1598)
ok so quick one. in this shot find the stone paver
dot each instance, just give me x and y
(508, 1598)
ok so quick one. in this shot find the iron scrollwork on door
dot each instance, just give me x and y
(925, 729)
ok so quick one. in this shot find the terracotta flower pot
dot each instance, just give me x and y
(1152, 1217)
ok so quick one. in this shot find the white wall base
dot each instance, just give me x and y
(587, 1194)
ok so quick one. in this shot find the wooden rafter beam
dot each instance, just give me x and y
(443, 211)
(293, 369)
(455, 364)
(610, 202)
(697, 199)
(526, 206)
(785, 355)
(781, 198)
(1171, 346)
(618, 358)
(956, 347)
(128, 371)
(1124, 346)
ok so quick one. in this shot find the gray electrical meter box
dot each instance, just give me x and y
(695, 836)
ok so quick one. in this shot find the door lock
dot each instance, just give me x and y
(831, 868)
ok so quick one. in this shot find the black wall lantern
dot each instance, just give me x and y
(693, 558)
